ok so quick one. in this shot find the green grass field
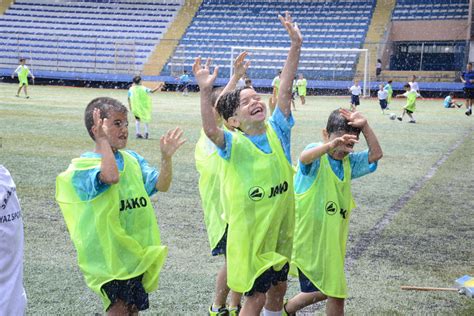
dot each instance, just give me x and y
(427, 243)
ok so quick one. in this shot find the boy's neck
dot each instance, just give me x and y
(257, 128)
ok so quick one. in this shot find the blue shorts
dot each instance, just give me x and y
(221, 246)
(355, 100)
(383, 104)
(268, 278)
(305, 284)
(130, 291)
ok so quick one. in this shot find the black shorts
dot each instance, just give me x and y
(409, 112)
(305, 284)
(355, 100)
(383, 104)
(469, 93)
(268, 278)
(130, 291)
(221, 246)
(378, 71)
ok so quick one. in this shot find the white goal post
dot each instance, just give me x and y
(326, 57)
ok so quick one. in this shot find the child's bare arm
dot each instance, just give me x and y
(310, 155)
(129, 103)
(357, 120)
(108, 167)
(169, 144)
(205, 81)
(240, 68)
(158, 87)
(291, 64)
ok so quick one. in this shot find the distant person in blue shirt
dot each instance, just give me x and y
(467, 78)
(449, 102)
(184, 81)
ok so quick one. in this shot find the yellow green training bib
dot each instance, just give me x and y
(23, 76)
(321, 229)
(141, 103)
(259, 206)
(208, 164)
(116, 234)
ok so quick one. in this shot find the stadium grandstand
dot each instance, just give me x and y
(112, 40)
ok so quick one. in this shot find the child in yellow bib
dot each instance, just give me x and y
(23, 71)
(104, 198)
(323, 206)
(139, 102)
(257, 182)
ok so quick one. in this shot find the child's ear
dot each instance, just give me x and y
(325, 135)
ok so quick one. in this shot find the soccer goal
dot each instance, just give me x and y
(322, 64)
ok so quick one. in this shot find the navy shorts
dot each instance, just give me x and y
(221, 246)
(130, 291)
(268, 278)
(305, 284)
(469, 93)
(355, 100)
(383, 104)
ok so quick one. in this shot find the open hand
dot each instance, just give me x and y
(346, 141)
(292, 28)
(240, 68)
(203, 75)
(355, 119)
(99, 128)
(170, 142)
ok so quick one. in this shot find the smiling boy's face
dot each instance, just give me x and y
(252, 110)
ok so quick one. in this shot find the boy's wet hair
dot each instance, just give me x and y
(229, 102)
(105, 105)
(216, 92)
(406, 85)
(137, 79)
(337, 124)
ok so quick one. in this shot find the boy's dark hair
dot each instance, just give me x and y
(406, 85)
(390, 81)
(105, 105)
(216, 92)
(229, 102)
(22, 59)
(248, 81)
(185, 71)
(470, 64)
(137, 79)
(337, 123)
(451, 94)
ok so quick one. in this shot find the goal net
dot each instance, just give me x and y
(320, 64)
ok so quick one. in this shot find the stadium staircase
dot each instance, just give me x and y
(170, 40)
(377, 28)
(4, 5)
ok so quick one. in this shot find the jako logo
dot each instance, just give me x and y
(278, 189)
(132, 203)
(256, 193)
(331, 208)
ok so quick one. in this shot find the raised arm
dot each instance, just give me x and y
(357, 120)
(169, 144)
(291, 64)
(240, 68)
(206, 81)
(109, 173)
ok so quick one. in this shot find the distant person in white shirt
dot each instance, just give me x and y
(12, 293)
(382, 94)
(356, 91)
(378, 68)
(414, 85)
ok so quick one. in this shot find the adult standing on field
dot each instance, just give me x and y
(467, 78)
